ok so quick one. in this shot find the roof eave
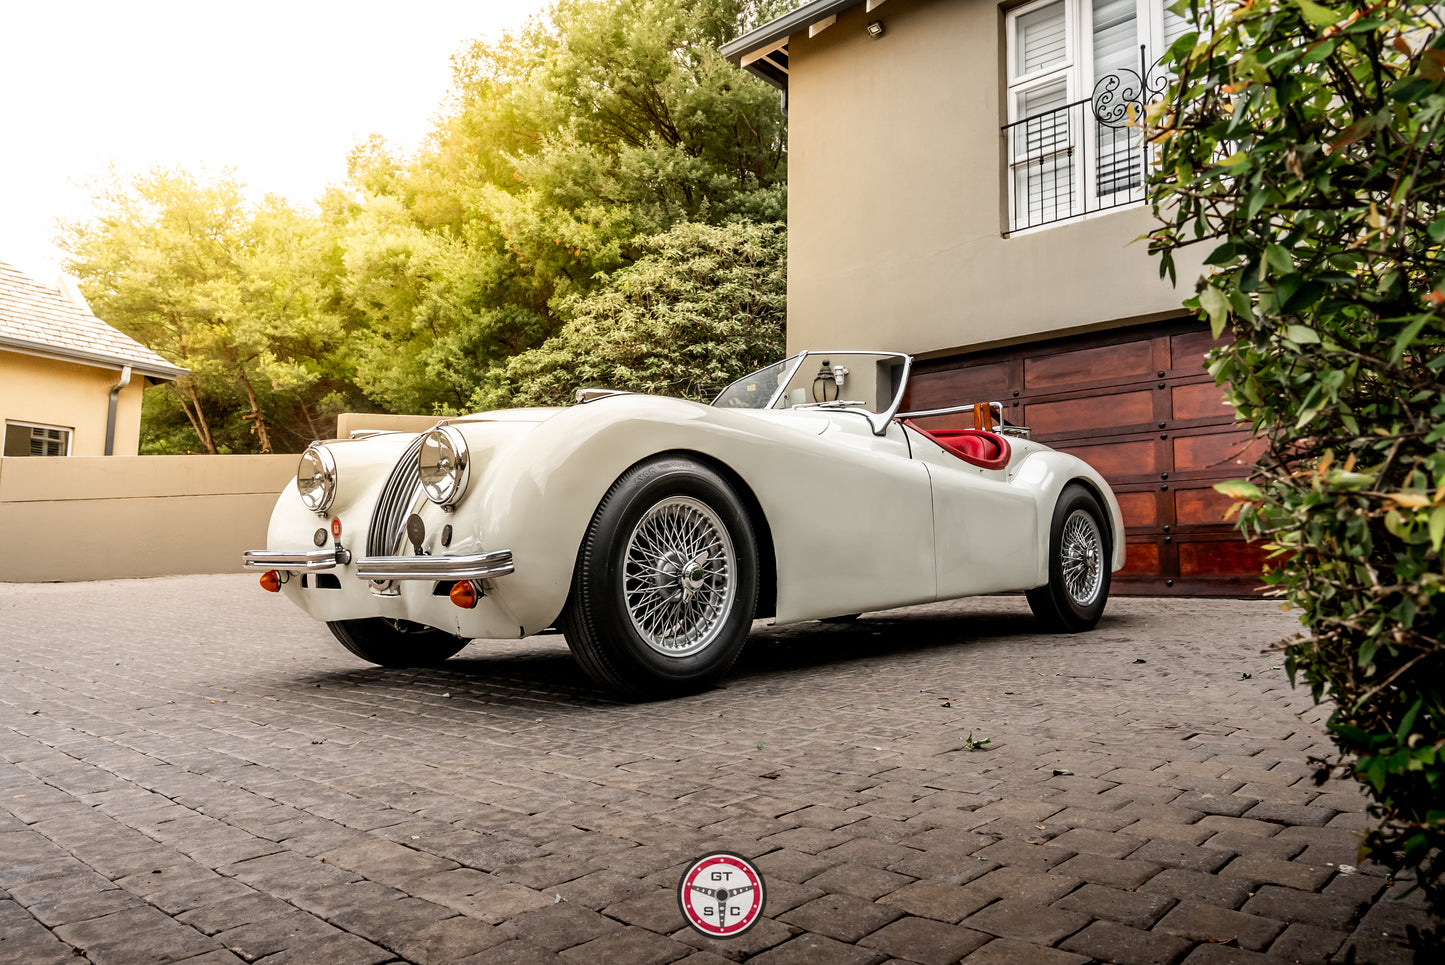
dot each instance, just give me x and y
(98, 359)
(783, 27)
(773, 32)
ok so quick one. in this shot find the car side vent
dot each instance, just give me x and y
(400, 491)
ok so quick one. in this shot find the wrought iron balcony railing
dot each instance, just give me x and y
(1082, 157)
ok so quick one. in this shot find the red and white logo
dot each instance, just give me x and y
(721, 894)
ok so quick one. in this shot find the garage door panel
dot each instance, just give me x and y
(1140, 559)
(1141, 510)
(938, 390)
(1202, 507)
(1088, 365)
(1121, 459)
(1221, 558)
(1089, 414)
(1217, 452)
(1187, 349)
(1202, 400)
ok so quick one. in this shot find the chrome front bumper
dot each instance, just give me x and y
(311, 562)
(476, 566)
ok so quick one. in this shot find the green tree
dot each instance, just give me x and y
(701, 307)
(238, 293)
(564, 143)
(1304, 144)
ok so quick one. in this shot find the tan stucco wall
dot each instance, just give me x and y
(71, 396)
(133, 516)
(349, 422)
(896, 199)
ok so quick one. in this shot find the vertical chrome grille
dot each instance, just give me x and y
(388, 520)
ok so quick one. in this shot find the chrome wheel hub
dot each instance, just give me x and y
(1082, 553)
(678, 583)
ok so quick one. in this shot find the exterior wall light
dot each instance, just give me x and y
(875, 29)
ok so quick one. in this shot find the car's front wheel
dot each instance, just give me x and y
(1079, 556)
(395, 643)
(666, 581)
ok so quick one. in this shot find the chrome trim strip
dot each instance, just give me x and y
(997, 407)
(286, 560)
(393, 505)
(475, 566)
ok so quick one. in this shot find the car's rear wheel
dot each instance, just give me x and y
(1079, 556)
(395, 643)
(666, 581)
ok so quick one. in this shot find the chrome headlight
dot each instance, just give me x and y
(316, 478)
(443, 465)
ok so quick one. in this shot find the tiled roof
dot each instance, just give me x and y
(41, 320)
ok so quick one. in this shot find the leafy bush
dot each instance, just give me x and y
(702, 306)
(1305, 142)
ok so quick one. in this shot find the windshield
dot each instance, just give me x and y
(756, 389)
(869, 383)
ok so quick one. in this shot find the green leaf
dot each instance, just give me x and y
(1407, 336)
(1301, 334)
(1408, 721)
(1213, 301)
(1239, 489)
(1437, 527)
(1279, 259)
(1317, 15)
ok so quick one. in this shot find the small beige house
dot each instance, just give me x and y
(964, 185)
(70, 385)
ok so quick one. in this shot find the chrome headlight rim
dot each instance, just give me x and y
(448, 489)
(326, 462)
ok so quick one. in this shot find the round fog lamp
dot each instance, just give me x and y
(316, 479)
(443, 466)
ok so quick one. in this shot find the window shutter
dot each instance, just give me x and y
(1175, 26)
(1041, 39)
(1043, 155)
(1116, 37)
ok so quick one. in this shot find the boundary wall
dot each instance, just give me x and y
(120, 517)
(124, 517)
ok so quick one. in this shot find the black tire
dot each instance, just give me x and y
(666, 581)
(1080, 554)
(396, 643)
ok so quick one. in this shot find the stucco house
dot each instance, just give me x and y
(964, 185)
(70, 385)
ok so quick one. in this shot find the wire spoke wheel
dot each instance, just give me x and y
(679, 576)
(666, 582)
(1083, 552)
(1080, 557)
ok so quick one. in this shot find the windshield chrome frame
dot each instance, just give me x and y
(877, 421)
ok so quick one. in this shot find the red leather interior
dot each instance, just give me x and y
(977, 447)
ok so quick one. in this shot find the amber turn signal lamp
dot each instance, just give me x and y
(463, 594)
(271, 581)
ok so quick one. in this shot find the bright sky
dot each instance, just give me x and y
(278, 90)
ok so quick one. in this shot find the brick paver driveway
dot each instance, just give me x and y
(195, 771)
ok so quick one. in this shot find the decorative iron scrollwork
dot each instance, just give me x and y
(1117, 90)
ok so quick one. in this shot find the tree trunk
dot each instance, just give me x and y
(197, 417)
(261, 431)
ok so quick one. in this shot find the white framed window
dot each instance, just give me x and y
(33, 439)
(1063, 160)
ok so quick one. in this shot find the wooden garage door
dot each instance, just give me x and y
(1136, 404)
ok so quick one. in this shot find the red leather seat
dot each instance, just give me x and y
(977, 447)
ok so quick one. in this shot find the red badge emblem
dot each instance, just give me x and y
(336, 528)
(721, 894)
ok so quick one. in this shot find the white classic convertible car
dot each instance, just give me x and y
(652, 531)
